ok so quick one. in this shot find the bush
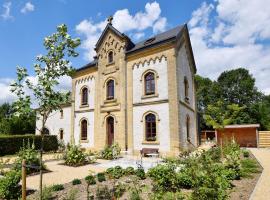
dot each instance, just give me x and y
(74, 156)
(248, 167)
(103, 193)
(110, 152)
(101, 177)
(31, 157)
(118, 190)
(129, 171)
(164, 177)
(246, 153)
(90, 180)
(9, 185)
(168, 196)
(140, 173)
(11, 144)
(184, 179)
(57, 187)
(76, 182)
(115, 172)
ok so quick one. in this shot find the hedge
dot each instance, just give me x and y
(11, 144)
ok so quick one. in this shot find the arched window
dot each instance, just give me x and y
(61, 134)
(84, 129)
(45, 131)
(149, 81)
(110, 57)
(110, 89)
(150, 127)
(84, 96)
(186, 88)
(188, 127)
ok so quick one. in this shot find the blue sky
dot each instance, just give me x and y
(223, 33)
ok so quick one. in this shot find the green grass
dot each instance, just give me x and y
(249, 167)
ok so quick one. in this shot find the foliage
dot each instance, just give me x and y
(30, 155)
(101, 177)
(135, 190)
(103, 193)
(129, 171)
(110, 152)
(248, 167)
(167, 196)
(184, 179)
(47, 193)
(90, 180)
(16, 142)
(71, 194)
(76, 182)
(140, 173)
(12, 125)
(118, 190)
(164, 177)
(57, 187)
(3, 164)
(9, 185)
(115, 172)
(74, 156)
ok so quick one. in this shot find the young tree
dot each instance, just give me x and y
(48, 69)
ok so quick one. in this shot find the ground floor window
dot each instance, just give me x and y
(84, 129)
(150, 127)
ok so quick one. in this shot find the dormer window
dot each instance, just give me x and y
(110, 57)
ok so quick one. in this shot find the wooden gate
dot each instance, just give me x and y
(264, 139)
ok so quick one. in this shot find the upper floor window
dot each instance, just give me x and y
(84, 96)
(61, 134)
(188, 127)
(149, 81)
(186, 86)
(84, 129)
(110, 89)
(150, 127)
(110, 57)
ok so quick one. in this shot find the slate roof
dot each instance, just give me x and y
(155, 40)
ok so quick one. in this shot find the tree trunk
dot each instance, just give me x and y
(40, 165)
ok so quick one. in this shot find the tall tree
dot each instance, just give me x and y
(49, 69)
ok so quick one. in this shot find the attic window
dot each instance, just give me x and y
(149, 41)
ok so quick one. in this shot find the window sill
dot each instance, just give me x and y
(110, 101)
(84, 141)
(149, 96)
(84, 106)
(109, 64)
(151, 142)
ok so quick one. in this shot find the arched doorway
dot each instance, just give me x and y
(110, 130)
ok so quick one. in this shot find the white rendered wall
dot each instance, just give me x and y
(163, 136)
(89, 82)
(184, 70)
(90, 129)
(55, 123)
(162, 81)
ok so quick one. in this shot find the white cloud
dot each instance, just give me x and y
(6, 13)
(230, 34)
(28, 7)
(124, 22)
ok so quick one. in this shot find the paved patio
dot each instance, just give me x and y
(62, 174)
(262, 189)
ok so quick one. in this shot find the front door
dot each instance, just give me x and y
(110, 130)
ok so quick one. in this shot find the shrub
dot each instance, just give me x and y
(248, 167)
(76, 182)
(103, 193)
(140, 173)
(31, 157)
(101, 177)
(184, 179)
(119, 189)
(9, 185)
(129, 171)
(110, 152)
(74, 156)
(168, 196)
(246, 153)
(47, 193)
(90, 180)
(16, 142)
(71, 194)
(115, 172)
(57, 187)
(164, 177)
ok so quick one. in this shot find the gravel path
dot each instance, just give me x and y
(262, 189)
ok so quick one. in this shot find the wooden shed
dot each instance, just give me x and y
(245, 135)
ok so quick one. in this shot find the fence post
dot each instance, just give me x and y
(23, 180)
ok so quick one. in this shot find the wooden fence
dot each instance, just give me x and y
(264, 139)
